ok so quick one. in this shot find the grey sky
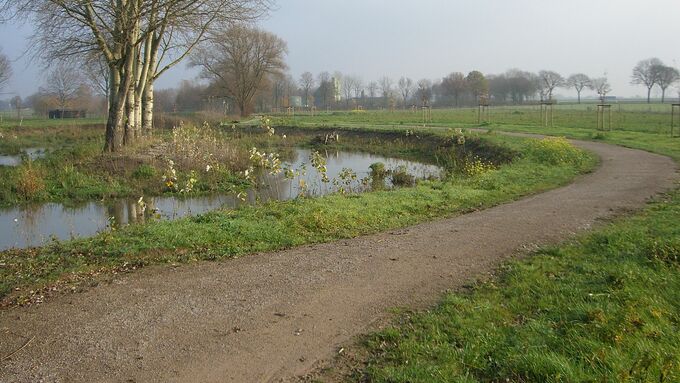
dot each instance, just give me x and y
(431, 38)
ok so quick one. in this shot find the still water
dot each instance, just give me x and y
(31, 153)
(28, 226)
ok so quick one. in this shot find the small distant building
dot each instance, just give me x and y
(66, 113)
(609, 99)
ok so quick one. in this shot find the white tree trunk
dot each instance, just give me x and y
(147, 107)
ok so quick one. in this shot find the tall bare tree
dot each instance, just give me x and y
(424, 92)
(348, 82)
(325, 93)
(405, 85)
(645, 73)
(358, 87)
(578, 81)
(17, 103)
(139, 40)
(239, 59)
(306, 84)
(5, 70)
(665, 77)
(63, 84)
(385, 84)
(550, 80)
(601, 86)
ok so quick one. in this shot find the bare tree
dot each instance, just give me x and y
(601, 86)
(645, 73)
(306, 83)
(96, 72)
(325, 93)
(139, 40)
(348, 82)
(424, 92)
(550, 80)
(405, 85)
(578, 81)
(385, 84)
(239, 59)
(5, 70)
(665, 77)
(372, 89)
(17, 103)
(63, 84)
(454, 85)
(358, 87)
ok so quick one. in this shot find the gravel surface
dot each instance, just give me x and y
(270, 317)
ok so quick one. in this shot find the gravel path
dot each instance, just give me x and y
(269, 317)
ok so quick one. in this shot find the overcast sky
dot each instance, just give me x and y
(431, 38)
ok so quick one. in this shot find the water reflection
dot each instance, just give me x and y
(35, 225)
(30, 153)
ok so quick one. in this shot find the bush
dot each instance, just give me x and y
(378, 170)
(555, 151)
(144, 171)
(30, 182)
(401, 177)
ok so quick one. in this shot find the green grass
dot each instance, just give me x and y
(652, 118)
(605, 308)
(280, 225)
(11, 122)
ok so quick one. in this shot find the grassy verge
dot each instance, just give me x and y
(605, 308)
(26, 274)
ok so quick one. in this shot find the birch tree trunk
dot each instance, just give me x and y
(147, 107)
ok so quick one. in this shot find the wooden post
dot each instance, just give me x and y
(673, 108)
(548, 113)
(602, 118)
(483, 110)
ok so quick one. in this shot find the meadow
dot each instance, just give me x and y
(482, 170)
(602, 307)
(637, 117)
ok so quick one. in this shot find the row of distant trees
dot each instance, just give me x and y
(277, 89)
(515, 86)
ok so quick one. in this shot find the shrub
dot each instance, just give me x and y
(144, 171)
(30, 181)
(474, 167)
(555, 151)
(401, 177)
(378, 170)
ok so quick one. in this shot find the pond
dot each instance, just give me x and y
(29, 226)
(16, 160)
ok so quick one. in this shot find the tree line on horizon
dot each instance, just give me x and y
(116, 51)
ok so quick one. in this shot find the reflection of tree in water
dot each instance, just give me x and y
(29, 220)
(129, 211)
(36, 223)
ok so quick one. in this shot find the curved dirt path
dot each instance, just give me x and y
(272, 316)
